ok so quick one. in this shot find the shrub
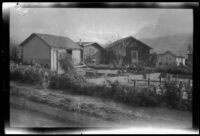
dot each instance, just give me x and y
(66, 81)
(175, 70)
(101, 66)
(116, 91)
(146, 97)
(27, 74)
(15, 54)
(172, 94)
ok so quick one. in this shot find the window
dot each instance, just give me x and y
(134, 54)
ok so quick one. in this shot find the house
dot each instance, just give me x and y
(92, 52)
(166, 59)
(46, 49)
(180, 60)
(127, 50)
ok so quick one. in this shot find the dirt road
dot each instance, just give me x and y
(26, 118)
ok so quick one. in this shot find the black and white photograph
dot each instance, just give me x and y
(101, 68)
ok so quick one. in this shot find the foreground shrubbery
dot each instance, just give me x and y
(27, 74)
(122, 93)
(110, 90)
(115, 91)
(175, 70)
(102, 66)
(15, 54)
(173, 96)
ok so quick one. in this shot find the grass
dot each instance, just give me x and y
(103, 109)
(89, 106)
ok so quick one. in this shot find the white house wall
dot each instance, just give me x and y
(53, 59)
(56, 55)
(180, 60)
(61, 52)
(76, 56)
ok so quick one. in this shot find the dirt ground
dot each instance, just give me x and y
(114, 112)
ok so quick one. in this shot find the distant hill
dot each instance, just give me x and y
(173, 22)
(177, 43)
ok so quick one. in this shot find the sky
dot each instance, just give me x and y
(94, 25)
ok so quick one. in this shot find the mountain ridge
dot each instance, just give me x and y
(176, 43)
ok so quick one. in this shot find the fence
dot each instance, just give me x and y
(160, 89)
(148, 81)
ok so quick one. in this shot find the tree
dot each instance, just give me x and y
(153, 59)
(190, 48)
(67, 65)
(15, 53)
(119, 51)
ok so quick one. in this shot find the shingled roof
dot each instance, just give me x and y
(54, 41)
(127, 39)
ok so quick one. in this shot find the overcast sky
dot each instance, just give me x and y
(100, 25)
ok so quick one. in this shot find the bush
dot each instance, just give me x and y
(147, 98)
(15, 54)
(115, 90)
(121, 93)
(175, 70)
(27, 74)
(172, 94)
(66, 81)
(101, 66)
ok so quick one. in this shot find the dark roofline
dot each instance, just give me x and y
(37, 35)
(113, 43)
(166, 53)
(84, 44)
(30, 37)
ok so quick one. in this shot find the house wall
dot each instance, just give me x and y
(61, 53)
(92, 52)
(143, 54)
(35, 49)
(180, 60)
(56, 55)
(76, 56)
(166, 59)
(54, 59)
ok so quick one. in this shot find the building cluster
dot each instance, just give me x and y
(47, 49)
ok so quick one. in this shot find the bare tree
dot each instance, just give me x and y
(120, 50)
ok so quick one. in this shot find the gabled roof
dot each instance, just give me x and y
(54, 41)
(167, 52)
(84, 44)
(129, 38)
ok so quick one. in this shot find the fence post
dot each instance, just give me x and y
(160, 79)
(180, 88)
(148, 81)
(189, 82)
(134, 82)
(155, 90)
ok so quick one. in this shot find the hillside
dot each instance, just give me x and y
(171, 22)
(178, 43)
